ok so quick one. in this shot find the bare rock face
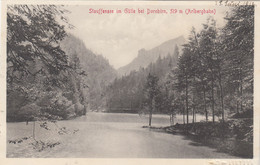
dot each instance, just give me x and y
(145, 57)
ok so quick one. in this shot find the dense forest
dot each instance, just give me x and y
(213, 75)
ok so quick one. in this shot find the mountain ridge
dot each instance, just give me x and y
(145, 57)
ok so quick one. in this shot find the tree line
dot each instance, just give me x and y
(213, 75)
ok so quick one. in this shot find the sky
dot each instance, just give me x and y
(118, 37)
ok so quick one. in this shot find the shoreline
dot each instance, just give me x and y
(229, 140)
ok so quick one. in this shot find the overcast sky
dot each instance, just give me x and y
(118, 37)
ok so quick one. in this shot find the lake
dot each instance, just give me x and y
(107, 135)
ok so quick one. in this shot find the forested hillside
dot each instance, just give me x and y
(98, 70)
(126, 94)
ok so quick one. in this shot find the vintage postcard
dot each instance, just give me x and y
(129, 82)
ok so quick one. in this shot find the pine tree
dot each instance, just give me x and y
(207, 49)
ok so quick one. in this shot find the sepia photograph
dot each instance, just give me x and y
(130, 80)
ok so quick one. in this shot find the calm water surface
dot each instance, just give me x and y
(108, 135)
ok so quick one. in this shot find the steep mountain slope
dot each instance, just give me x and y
(145, 57)
(99, 71)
